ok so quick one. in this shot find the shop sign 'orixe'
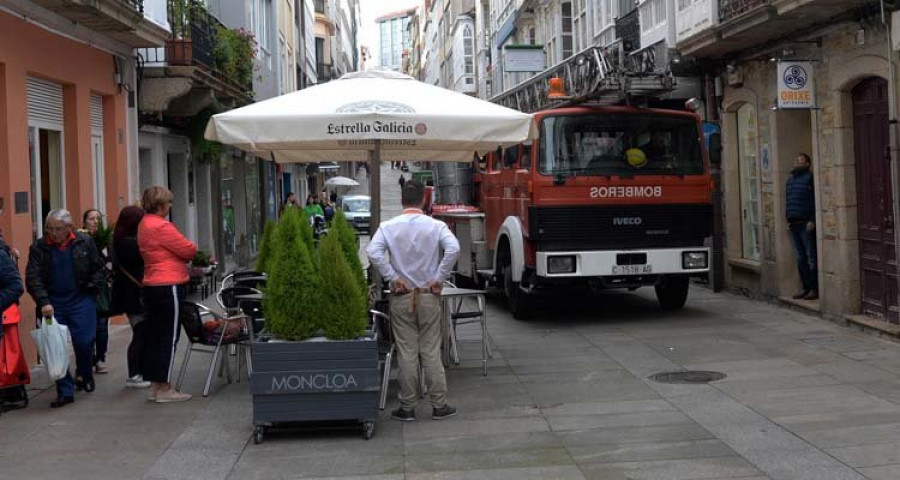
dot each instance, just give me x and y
(796, 85)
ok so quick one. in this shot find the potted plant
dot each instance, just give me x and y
(265, 248)
(317, 362)
(178, 47)
(201, 263)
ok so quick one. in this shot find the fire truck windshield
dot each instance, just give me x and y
(620, 144)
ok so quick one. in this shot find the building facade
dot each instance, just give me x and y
(394, 38)
(67, 134)
(843, 51)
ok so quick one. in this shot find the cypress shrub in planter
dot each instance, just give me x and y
(291, 305)
(265, 248)
(347, 236)
(298, 374)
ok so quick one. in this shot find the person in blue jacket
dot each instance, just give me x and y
(801, 217)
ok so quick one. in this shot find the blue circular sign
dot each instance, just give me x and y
(795, 77)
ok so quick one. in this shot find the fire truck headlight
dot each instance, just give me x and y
(561, 264)
(694, 260)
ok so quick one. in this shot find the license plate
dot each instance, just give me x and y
(631, 269)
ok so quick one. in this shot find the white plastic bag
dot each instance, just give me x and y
(52, 341)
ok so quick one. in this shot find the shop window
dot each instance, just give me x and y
(748, 152)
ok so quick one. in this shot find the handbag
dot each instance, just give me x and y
(102, 300)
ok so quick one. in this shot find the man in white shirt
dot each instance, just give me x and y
(416, 271)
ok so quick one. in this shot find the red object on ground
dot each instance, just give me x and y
(13, 367)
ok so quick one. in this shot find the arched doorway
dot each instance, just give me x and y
(878, 266)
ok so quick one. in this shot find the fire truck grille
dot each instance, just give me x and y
(619, 227)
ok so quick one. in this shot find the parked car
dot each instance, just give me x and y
(358, 210)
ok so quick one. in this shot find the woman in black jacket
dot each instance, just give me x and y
(128, 273)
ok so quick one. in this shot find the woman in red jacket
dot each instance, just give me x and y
(166, 253)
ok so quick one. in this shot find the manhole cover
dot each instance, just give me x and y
(687, 377)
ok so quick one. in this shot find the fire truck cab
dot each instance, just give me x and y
(607, 196)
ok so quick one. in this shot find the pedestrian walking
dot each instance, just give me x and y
(91, 221)
(313, 208)
(165, 252)
(128, 275)
(289, 202)
(422, 253)
(63, 276)
(801, 217)
(401, 181)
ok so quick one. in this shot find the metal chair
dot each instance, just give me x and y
(191, 317)
(459, 317)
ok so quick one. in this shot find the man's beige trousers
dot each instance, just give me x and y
(417, 335)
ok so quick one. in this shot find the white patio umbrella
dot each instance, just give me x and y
(341, 182)
(376, 115)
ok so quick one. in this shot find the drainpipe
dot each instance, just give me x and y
(893, 135)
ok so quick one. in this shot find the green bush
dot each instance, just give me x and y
(293, 300)
(265, 248)
(345, 233)
(308, 236)
(345, 314)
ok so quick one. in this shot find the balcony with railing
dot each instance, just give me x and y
(200, 53)
(122, 20)
(730, 9)
(715, 28)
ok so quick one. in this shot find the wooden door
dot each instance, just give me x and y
(878, 263)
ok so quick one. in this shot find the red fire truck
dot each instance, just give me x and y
(610, 195)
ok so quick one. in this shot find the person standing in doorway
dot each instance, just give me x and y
(165, 252)
(63, 277)
(801, 217)
(422, 253)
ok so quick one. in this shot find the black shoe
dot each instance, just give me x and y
(404, 415)
(812, 295)
(86, 384)
(61, 402)
(801, 295)
(444, 412)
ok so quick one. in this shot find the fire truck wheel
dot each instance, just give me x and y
(673, 293)
(518, 302)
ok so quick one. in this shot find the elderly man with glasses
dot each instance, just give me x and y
(63, 276)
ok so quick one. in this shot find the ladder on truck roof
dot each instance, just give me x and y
(596, 75)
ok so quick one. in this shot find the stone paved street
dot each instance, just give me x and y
(567, 396)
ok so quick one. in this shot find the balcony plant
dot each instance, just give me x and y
(205, 151)
(179, 47)
(234, 54)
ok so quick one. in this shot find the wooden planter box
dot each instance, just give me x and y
(179, 52)
(314, 381)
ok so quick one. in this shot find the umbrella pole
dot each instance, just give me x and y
(375, 207)
(375, 186)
